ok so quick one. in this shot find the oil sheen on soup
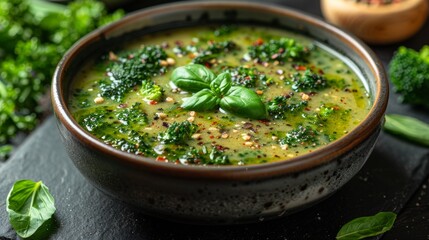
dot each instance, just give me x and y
(309, 93)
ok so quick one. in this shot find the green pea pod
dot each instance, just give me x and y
(408, 128)
(243, 102)
(204, 100)
(221, 84)
(192, 77)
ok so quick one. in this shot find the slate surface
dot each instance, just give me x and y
(394, 172)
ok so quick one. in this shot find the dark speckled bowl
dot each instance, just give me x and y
(214, 195)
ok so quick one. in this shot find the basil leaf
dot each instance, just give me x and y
(367, 226)
(221, 84)
(204, 100)
(192, 77)
(408, 128)
(29, 204)
(243, 102)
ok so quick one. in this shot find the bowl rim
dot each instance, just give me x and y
(304, 162)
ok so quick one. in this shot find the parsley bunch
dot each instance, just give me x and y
(33, 37)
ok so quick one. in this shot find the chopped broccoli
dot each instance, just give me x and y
(178, 133)
(248, 77)
(409, 73)
(151, 91)
(135, 143)
(94, 121)
(213, 50)
(133, 115)
(224, 30)
(281, 106)
(130, 70)
(284, 49)
(202, 156)
(307, 81)
(300, 136)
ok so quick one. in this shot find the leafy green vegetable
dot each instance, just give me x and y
(409, 73)
(151, 91)
(364, 227)
(214, 91)
(281, 106)
(243, 102)
(213, 51)
(134, 142)
(202, 156)
(224, 30)
(133, 115)
(193, 77)
(248, 77)
(307, 81)
(300, 136)
(204, 100)
(130, 70)
(284, 49)
(29, 204)
(178, 133)
(33, 37)
(408, 128)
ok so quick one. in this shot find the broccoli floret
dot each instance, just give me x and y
(135, 143)
(151, 91)
(300, 136)
(284, 49)
(178, 133)
(224, 30)
(307, 81)
(213, 50)
(248, 77)
(133, 115)
(281, 106)
(409, 73)
(130, 70)
(202, 156)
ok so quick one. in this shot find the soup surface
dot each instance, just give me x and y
(309, 94)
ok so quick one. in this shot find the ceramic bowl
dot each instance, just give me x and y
(227, 194)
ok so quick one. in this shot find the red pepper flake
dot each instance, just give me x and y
(258, 42)
(300, 68)
(153, 102)
(266, 122)
(161, 158)
(211, 137)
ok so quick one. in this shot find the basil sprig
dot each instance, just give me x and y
(364, 227)
(29, 205)
(407, 127)
(213, 91)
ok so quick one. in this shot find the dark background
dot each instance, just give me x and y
(395, 178)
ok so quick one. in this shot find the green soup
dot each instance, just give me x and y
(311, 94)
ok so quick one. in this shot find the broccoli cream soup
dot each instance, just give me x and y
(219, 95)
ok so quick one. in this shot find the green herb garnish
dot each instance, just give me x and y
(281, 106)
(213, 92)
(178, 133)
(307, 81)
(29, 205)
(284, 49)
(34, 35)
(129, 71)
(364, 227)
(408, 128)
(300, 136)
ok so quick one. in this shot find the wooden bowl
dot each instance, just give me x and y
(377, 23)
